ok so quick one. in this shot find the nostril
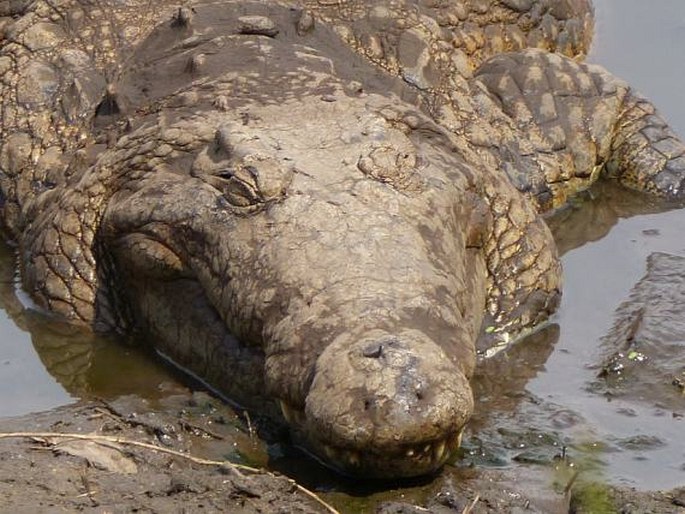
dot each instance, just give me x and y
(367, 404)
(419, 395)
(109, 105)
(373, 350)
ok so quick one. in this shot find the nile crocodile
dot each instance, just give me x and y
(317, 204)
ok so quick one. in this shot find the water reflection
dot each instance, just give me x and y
(45, 363)
(25, 384)
(591, 215)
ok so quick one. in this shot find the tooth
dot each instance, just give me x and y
(353, 458)
(298, 416)
(439, 451)
(331, 454)
(410, 453)
(459, 436)
(287, 412)
(426, 448)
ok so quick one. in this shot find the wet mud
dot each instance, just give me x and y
(103, 467)
(187, 452)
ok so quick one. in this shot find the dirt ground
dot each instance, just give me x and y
(132, 456)
(55, 474)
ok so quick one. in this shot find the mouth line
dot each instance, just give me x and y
(429, 454)
(425, 455)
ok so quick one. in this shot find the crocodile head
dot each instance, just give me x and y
(334, 246)
(285, 233)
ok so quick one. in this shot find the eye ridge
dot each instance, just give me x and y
(226, 173)
(241, 189)
(237, 186)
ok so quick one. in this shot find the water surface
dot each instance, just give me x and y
(642, 42)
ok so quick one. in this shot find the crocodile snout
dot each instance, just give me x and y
(386, 405)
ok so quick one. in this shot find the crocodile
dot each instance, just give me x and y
(323, 209)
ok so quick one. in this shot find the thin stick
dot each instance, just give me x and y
(148, 446)
(572, 481)
(469, 508)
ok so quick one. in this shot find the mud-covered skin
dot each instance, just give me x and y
(316, 204)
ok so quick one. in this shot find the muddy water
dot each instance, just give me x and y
(546, 402)
(45, 363)
(636, 441)
(535, 399)
(25, 384)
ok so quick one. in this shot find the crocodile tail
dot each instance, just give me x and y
(646, 154)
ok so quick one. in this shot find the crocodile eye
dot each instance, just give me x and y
(226, 174)
(241, 186)
(249, 173)
(250, 184)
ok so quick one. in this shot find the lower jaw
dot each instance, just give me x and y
(408, 460)
(189, 332)
(223, 352)
(412, 461)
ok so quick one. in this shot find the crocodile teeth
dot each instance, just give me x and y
(331, 453)
(348, 457)
(439, 450)
(287, 412)
(459, 436)
(292, 416)
(352, 458)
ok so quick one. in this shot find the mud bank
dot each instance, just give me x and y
(178, 455)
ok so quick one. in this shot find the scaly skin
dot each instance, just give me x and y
(318, 206)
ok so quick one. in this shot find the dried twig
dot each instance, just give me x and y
(250, 428)
(570, 483)
(469, 507)
(168, 451)
(89, 492)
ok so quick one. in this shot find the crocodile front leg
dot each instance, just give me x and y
(57, 64)
(524, 271)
